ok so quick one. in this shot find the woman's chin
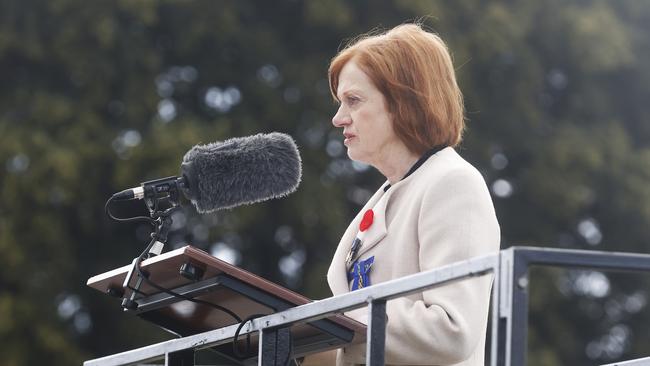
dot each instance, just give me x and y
(355, 156)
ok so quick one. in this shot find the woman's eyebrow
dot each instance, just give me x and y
(349, 91)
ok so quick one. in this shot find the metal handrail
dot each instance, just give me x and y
(636, 362)
(509, 304)
(313, 311)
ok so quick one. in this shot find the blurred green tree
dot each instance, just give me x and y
(96, 97)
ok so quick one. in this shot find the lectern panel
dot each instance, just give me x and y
(227, 286)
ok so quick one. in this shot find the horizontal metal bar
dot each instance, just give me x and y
(386, 290)
(157, 351)
(614, 261)
(192, 290)
(312, 311)
(637, 362)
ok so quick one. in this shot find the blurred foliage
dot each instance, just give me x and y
(98, 96)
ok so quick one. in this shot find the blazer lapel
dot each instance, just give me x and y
(377, 230)
(337, 273)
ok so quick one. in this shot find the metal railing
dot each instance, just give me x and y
(638, 362)
(509, 308)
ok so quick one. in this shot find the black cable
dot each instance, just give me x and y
(235, 350)
(240, 355)
(142, 275)
(176, 294)
(127, 219)
(198, 301)
(146, 251)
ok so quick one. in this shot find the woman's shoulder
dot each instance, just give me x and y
(447, 166)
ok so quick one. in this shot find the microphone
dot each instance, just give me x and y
(151, 189)
(234, 172)
(241, 170)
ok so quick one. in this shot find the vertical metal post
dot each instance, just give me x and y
(505, 305)
(495, 341)
(376, 333)
(513, 308)
(504, 319)
(519, 309)
(275, 347)
(180, 358)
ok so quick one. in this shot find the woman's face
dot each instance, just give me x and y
(367, 125)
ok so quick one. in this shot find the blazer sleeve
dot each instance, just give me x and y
(456, 222)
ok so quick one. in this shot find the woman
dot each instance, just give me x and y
(401, 111)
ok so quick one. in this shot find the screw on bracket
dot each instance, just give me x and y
(522, 282)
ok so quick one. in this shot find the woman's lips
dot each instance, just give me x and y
(348, 138)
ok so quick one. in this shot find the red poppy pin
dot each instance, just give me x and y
(367, 220)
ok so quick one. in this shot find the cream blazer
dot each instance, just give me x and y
(440, 214)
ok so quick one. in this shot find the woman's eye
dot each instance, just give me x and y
(352, 100)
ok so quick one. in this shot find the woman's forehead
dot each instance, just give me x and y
(353, 78)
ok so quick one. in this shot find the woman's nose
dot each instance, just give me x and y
(341, 118)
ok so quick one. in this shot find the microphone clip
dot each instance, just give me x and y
(157, 191)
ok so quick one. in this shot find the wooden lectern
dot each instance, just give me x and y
(230, 287)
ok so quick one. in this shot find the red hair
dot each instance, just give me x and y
(413, 69)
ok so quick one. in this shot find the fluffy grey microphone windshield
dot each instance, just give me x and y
(241, 170)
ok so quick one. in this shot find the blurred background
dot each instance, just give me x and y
(98, 96)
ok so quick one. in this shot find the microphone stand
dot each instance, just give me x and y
(163, 219)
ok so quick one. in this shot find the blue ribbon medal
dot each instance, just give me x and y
(360, 273)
